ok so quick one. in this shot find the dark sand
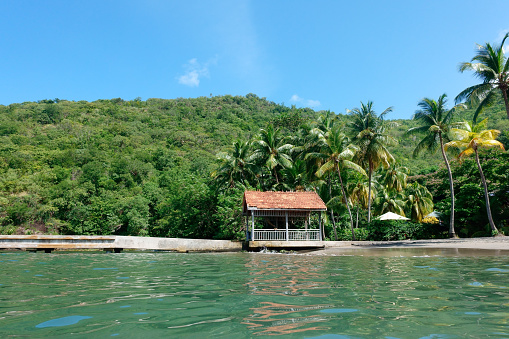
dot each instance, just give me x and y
(498, 246)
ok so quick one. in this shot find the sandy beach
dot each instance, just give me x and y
(460, 247)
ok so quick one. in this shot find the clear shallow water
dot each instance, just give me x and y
(238, 295)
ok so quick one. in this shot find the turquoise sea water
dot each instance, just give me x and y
(251, 295)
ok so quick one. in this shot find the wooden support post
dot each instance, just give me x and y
(306, 223)
(252, 226)
(320, 225)
(247, 228)
(286, 219)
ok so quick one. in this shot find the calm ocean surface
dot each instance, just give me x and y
(250, 295)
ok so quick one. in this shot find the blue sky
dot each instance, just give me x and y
(327, 55)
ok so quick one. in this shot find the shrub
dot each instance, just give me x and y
(345, 234)
(400, 230)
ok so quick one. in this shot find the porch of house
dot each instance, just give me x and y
(286, 235)
(279, 226)
(283, 216)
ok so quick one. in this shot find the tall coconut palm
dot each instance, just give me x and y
(326, 121)
(391, 201)
(435, 123)
(336, 152)
(272, 151)
(470, 140)
(372, 141)
(329, 196)
(296, 177)
(491, 66)
(316, 132)
(395, 178)
(359, 192)
(420, 201)
(235, 166)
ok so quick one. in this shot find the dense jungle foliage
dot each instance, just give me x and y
(179, 167)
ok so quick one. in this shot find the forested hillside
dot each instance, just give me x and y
(123, 167)
(149, 167)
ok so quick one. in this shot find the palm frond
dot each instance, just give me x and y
(353, 166)
(325, 168)
(417, 130)
(488, 101)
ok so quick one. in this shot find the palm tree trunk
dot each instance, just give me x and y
(506, 100)
(346, 202)
(275, 174)
(357, 220)
(333, 225)
(494, 229)
(452, 233)
(369, 194)
(331, 211)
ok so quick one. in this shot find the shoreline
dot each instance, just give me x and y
(487, 243)
(119, 243)
(492, 246)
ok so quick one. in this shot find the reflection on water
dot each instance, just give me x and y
(134, 295)
(285, 276)
(273, 319)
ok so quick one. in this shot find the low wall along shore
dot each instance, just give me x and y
(49, 243)
(115, 243)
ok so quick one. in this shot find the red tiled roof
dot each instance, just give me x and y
(283, 200)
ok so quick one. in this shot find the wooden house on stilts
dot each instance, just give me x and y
(283, 216)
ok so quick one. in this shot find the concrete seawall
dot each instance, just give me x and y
(49, 243)
(178, 244)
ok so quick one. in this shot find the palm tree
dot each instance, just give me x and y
(390, 197)
(395, 178)
(272, 151)
(296, 177)
(394, 203)
(469, 140)
(315, 133)
(359, 193)
(326, 121)
(234, 167)
(420, 201)
(336, 152)
(492, 67)
(436, 122)
(329, 196)
(369, 130)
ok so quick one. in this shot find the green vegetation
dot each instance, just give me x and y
(470, 140)
(144, 167)
(492, 67)
(436, 122)
(178, 168)
(124, 167)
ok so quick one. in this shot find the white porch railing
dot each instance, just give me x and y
(280, 235)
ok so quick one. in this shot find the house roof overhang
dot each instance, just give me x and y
(282, 201)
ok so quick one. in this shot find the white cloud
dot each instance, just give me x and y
(191, 79)
(194, 71)
(295, 98)
(313, 103)
(304, 102)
